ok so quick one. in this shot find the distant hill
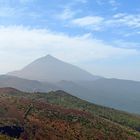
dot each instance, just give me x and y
(51, 69)
(119, 94)
(59, 115)
(66, 100)
(116, 93)
(25, 84)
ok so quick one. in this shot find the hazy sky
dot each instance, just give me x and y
(101, 36)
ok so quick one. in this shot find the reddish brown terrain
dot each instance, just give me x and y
(34, 117)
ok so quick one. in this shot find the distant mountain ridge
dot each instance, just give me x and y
(25, 84)
(51, 69)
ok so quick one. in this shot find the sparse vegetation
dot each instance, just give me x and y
(60, 116)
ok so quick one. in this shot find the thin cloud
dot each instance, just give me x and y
(126, 44)
(26, 1)
(82, 1)
(124, 19)
(67, 13)
(7, 12)
(113, 3)
(90, 22)
(99, 23)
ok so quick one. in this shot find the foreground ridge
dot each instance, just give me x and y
(59, 115)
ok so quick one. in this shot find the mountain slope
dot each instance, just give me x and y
(66, 100)
(51, 69)
(25, 84)
(53, 116)
(117, 93)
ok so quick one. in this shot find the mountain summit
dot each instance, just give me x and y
(51, 69)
